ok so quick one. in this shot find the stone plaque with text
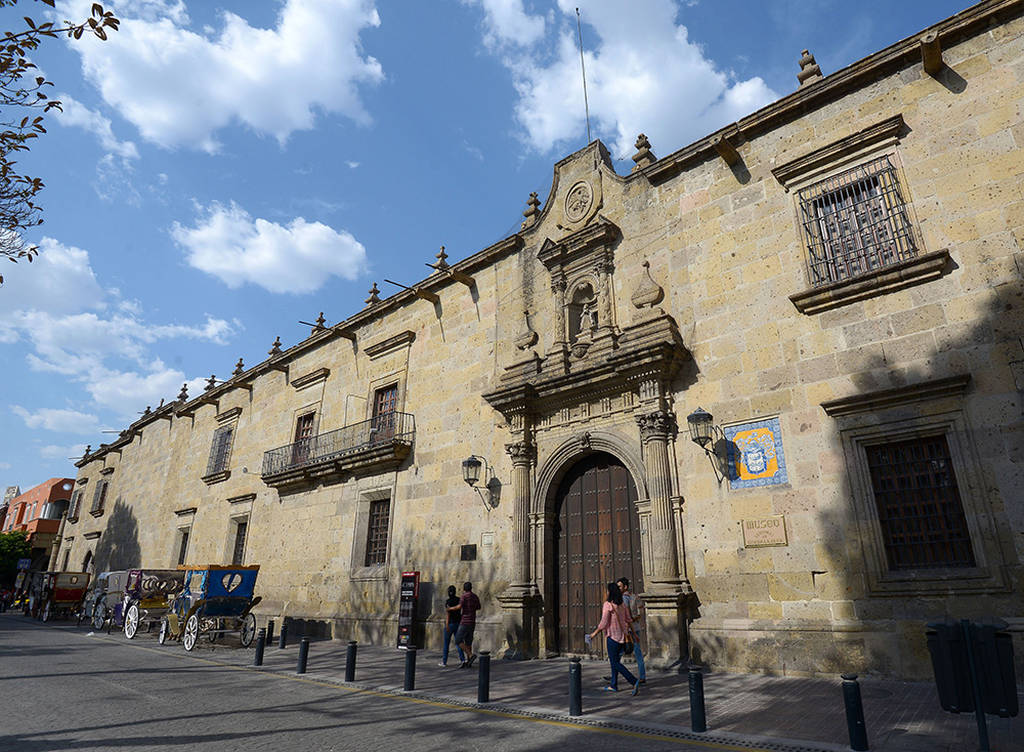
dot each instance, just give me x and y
(765, 531)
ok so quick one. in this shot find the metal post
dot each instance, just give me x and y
(410, 670)
(483, 680)
(575, 686)
(270, 631)
(282, 641)
(698, 716)
(854, 713)
(303, 656)
(261, 644)
(979, 702)
(350, 662)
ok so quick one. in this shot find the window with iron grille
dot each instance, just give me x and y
(377, 532)
(183, 544)
(919, 506)
(855, 222)
(67, 560)
(220, 450)
(76, 503)
(238, 554)
(99, 497)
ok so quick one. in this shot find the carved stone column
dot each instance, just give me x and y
(656, 430)
(604, 275)
(523, 454)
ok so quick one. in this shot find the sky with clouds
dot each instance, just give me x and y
(223, 170)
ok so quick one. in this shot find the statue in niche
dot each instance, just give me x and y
(582, 316)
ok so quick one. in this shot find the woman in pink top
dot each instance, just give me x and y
(615, 620)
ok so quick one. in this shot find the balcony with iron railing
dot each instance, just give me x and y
(381, 443)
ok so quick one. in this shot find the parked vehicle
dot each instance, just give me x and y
(215, 601)
(63, 594)
(148, 594)
(102, 602)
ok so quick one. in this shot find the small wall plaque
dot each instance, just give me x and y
(469, 552)
(765, 531)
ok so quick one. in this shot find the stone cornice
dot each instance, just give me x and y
(598, 233)
(313, 377)
(228, 415)
(887, 130)
(383, 347)
(895, 57)
(952, 386)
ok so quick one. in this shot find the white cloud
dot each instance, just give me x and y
(641, 77)
(55, 452)
(65, 421)
(77, 114)
(298, 257)
(5, 465)
(507, 22)
(59, 280)
(179, 87)
(73, 327)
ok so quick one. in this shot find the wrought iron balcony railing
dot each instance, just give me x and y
(384, 438)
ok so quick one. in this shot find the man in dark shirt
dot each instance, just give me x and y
(451, 625)
(469, 604)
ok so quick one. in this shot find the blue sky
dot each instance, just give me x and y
(222, 170)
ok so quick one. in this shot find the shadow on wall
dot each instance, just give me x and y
(118, 547)
(367, 603)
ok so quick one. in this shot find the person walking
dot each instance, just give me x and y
(451, 625)
(633, 606)
(469, 604)
(615, 624)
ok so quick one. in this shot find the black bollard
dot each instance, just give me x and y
(854, 713)
(483, 678)
(410, 670)
(261, 644)
(303, 655)
(698, 716)
(350, 662)
(282, 641)
(270, 631)
(575, 686)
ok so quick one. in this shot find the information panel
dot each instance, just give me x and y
(409, 594)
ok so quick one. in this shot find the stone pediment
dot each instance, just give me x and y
(650, 351)
(576, 197)
(579, 248)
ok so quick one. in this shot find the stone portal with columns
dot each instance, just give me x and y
(615, 382)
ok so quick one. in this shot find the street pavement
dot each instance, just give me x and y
(214, 697)
(68, 689)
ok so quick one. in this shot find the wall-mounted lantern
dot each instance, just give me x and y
(472, 468)
(709, 437)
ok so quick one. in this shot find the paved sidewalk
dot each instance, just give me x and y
(742, 710)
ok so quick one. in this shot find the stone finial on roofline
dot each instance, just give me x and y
(183, 394)
(532, 211)
(275, 348)
(374, 298)
(442, 260)
(211, 382)
(809, 70)
(239, 368)
(644, 156)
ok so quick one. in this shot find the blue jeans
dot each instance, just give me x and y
(615, 659)
(639, 655)
(449, 632)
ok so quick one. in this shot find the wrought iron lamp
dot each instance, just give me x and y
(471, 469)
(704, 432)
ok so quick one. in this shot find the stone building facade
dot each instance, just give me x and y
(828, 293)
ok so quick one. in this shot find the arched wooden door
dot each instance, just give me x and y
(597, 542)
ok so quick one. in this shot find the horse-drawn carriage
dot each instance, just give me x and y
(148, 595)
(103, 599)
(215, 601)
(62, 594)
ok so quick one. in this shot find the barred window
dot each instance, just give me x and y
(919, 506)
(99, 497)
(855, 222)
(220, 450)
(76, 503)
(238, 554)
(377, 532)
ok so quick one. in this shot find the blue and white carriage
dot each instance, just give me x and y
(215, 601)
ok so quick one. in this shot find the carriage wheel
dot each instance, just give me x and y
(165, 629)
(191, 634)
(98, 617)
(47, 612)
(248, 630)
(131, 621)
